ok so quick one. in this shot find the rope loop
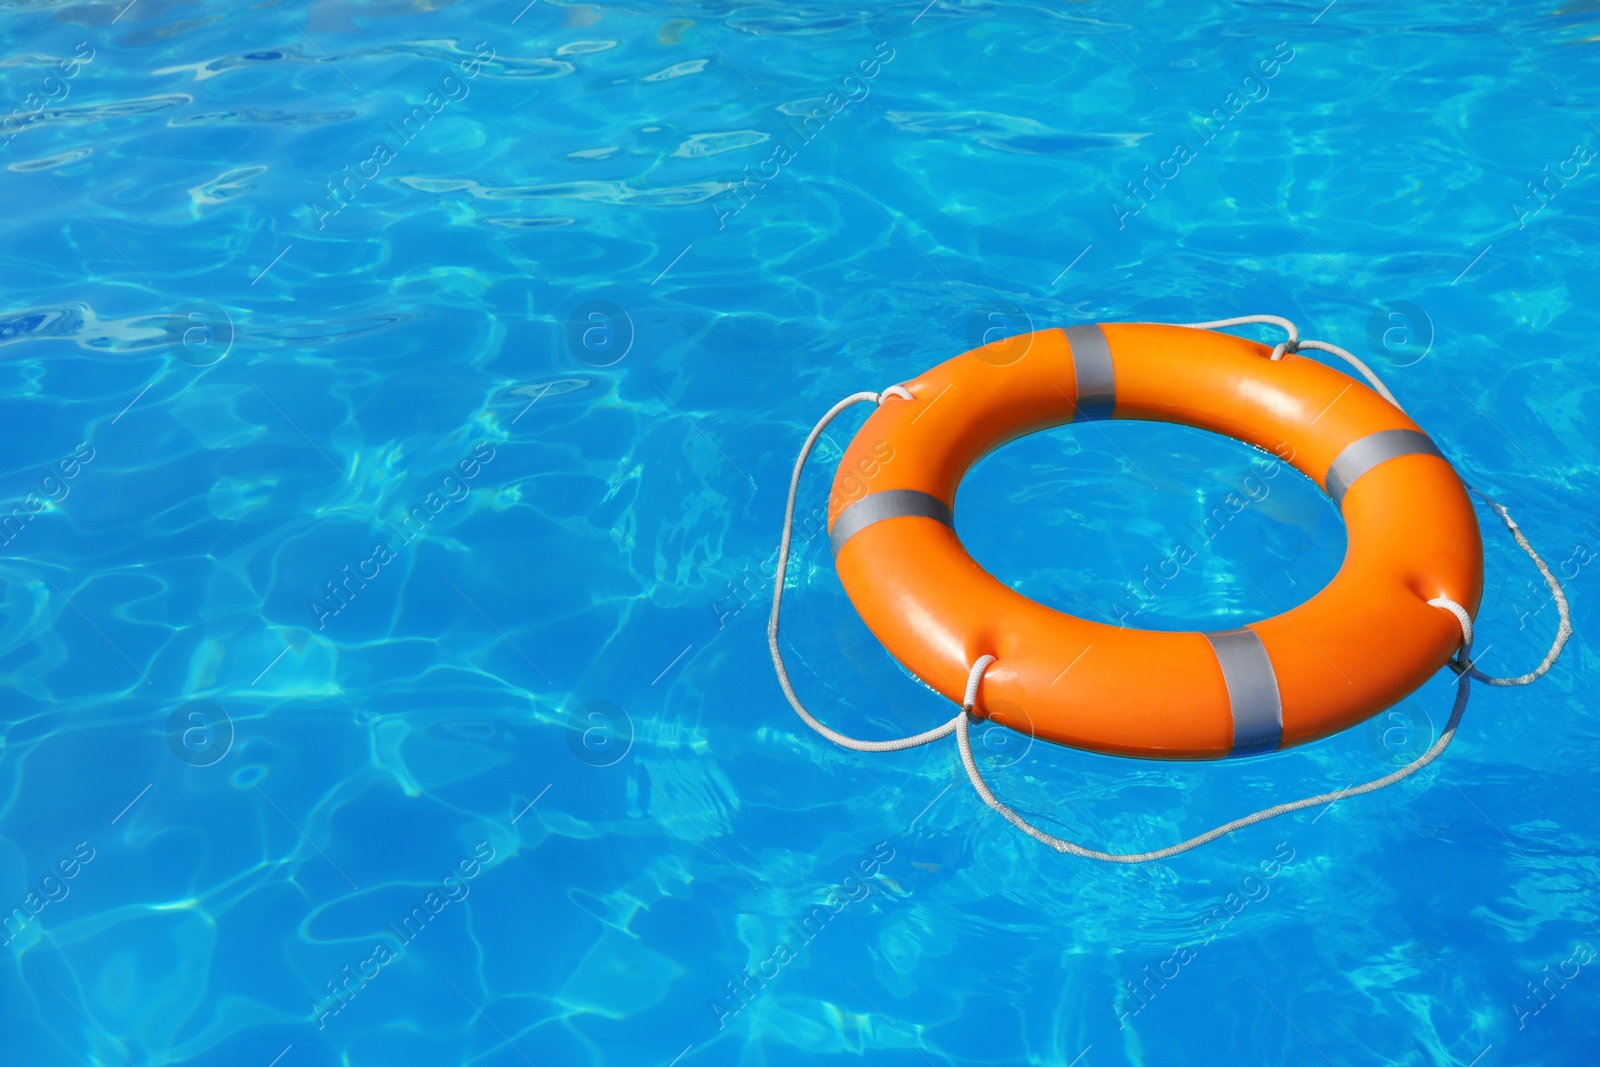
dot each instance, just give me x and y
(1248, 320)
(895, 390)
(963, 741)
(1563, 609)
(781, 574)
(1361, 368)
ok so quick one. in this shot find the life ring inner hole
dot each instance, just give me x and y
(1150, 525)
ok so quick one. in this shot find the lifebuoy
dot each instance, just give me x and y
(1364, 642)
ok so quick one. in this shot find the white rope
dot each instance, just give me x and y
(1563, 629)
(1251, 320)
(1466, 671)
(777, 597)
(1074, 849)
(1247, 320)
(960, 725)
(1366, 371)
(1294, 344)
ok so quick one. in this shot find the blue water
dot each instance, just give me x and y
(387, 563)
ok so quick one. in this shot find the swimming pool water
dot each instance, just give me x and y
(398, 400)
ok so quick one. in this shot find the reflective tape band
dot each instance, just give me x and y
(1252, 691)
(1362, 455)
(889, 504)
(1091, 363)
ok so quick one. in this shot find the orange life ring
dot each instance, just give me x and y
(1360, 645)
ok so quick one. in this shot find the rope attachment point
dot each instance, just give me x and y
(1462, 662)
(974, 676)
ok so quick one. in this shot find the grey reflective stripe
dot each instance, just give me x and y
(1361, 456)
(1252, 691)
(1091, 363)
(889, 504)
